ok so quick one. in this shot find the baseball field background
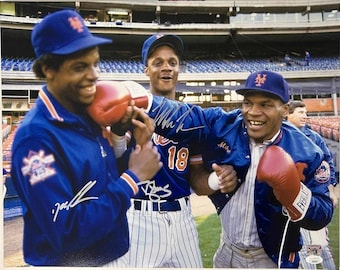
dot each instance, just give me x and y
(209, 231)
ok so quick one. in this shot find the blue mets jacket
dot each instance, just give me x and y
(74, 200)
(227, 142)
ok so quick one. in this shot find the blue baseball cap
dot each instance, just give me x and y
(157, 40)
(63, 32)
(267, 82)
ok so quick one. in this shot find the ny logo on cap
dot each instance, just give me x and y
(76, 24)
(260, 79)
(159, 36)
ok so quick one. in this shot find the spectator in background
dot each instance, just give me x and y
(287, 60)
(307, 57)
(297, 115)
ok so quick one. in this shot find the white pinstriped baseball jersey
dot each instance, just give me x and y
(163, 238)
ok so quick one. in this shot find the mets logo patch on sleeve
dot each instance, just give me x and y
(323, 173)
(37, 165)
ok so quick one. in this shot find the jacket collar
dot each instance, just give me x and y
(50, 104)
(55, 111)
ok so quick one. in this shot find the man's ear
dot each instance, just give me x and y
(284, 110)
(49, 73)
(146, 71)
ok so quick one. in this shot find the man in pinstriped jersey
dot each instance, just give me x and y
(163, 232)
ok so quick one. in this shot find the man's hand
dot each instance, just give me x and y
(145, 161)
(227, 177)
(224, 178)
(121, 127)
(332, 195)
(143, 125)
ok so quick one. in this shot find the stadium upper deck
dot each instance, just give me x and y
(225, 30)
(205, 26)
(197, 6)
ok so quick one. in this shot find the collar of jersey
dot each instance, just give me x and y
(48, 101)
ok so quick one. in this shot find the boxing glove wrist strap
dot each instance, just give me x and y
(119, 144)
(213, 181)
(298, 209)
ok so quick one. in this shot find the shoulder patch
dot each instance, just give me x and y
(323, 173)
(37, 166)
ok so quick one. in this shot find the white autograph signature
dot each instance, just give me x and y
(79, 198)
(150, 189)
(164, 118)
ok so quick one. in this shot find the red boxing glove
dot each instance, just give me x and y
(112, 99)
(278, 170)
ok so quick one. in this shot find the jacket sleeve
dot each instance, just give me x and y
(320, 210)
(182, 121)
(329, 158)
(73, 204)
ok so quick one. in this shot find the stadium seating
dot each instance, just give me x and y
(327, 126)
(7, 144)
(6, 129)
(191, 66)
(16, 64)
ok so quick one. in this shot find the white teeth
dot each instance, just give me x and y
(90, 88)
(256, 123)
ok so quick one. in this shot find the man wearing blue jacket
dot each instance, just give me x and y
(316, 249)
(283, 177)
(63, 164)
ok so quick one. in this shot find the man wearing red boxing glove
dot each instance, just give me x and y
(278, 170)
(63, 167)
(284, 177)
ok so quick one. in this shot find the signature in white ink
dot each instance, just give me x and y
(151, 190)
(79, 198)
(164, 118)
